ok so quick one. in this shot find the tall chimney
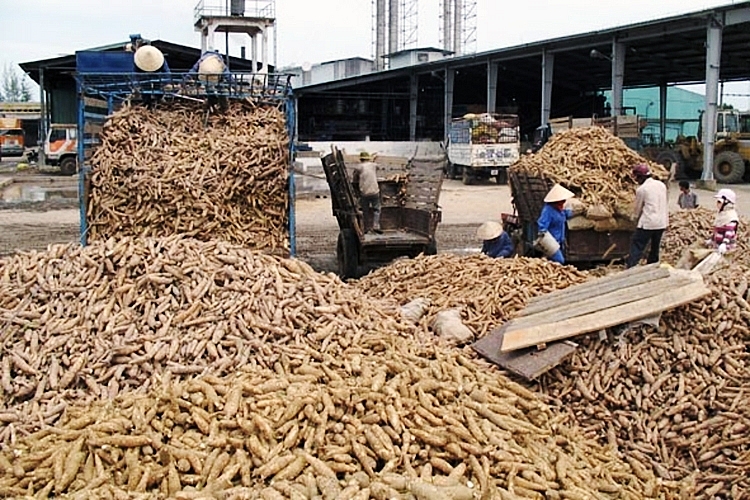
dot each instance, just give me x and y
(458, 25)
(447, 25)
(379, 34)
(393, 26)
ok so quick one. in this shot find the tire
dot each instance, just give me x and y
(502, 177)
(431, 248)
(729, 167)
(669, 158)
(347, 254)
(467, 177)
(69, 166)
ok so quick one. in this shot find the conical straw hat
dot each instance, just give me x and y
(211, 65)
(489, 230)
(148, 58)
(558, 193)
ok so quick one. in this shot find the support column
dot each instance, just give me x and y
(548, 67)
(450, 76)
(45, 115)
(264, 64)
(413, 100)
(713, 63)
(618, 76)
(662, 114)
(254, 51)
(492, 70)
(204, 40)
(210, 37)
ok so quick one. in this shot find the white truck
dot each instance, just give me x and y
(483, 146)
(61, 148)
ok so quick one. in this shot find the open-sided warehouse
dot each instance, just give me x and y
(558, 77)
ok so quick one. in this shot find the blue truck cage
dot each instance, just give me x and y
(100, 94)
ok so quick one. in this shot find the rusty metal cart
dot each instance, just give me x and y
(409, 213)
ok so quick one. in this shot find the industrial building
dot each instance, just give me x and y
(550, 78)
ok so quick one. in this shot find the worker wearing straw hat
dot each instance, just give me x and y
(552, 223)
(495, 241)
(210, 67)
(149, 59)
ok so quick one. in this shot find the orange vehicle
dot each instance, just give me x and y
(61, 148)
(11, 136)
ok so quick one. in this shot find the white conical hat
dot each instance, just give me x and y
(148, 58)
(558, 193)
(489, 230)
(211, 65)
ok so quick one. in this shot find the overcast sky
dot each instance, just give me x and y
(310, 30)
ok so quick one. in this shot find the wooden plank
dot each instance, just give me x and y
(604, 319)
(593, 288)
(593, 304)
(528, 363)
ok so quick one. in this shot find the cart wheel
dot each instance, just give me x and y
(431, 248)
(347, 254)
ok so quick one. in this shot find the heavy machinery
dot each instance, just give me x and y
(61, 147)
(409, 216)
(731, 150)
(483, 146)
(11, 136)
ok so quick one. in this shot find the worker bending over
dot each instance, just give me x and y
(652, 214)
(365, 177)
(724, 238)
(552, 221)
(495, 241)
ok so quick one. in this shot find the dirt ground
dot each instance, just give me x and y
(27, 225)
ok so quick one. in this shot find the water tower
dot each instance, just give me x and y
(252, 17)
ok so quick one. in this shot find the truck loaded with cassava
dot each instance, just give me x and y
(596, 166)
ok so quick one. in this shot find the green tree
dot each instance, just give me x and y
(14, 86)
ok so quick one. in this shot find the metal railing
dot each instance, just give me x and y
(264, 9)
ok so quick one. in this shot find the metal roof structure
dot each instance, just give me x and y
(670, 50)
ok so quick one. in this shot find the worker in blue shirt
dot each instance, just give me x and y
(495, 241)
(553, 221)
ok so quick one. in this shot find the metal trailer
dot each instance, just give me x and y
(100, 94)
(581, 247)
(409, 213)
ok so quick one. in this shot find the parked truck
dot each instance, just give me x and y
(731, 150)
(61, 148)
(626, 127)
(11, 137)
(483, 146)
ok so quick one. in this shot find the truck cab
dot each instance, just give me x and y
(11, 137)
(61, 148)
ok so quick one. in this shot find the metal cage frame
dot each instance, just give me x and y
(100, 94)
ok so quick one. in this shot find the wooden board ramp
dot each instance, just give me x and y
(603, 303)
(613, 300)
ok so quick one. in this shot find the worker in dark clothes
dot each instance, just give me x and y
(552, 222)
(495, 241)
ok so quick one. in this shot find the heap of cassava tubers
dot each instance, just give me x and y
(597, 166)
(381, 420)
(308, 388)
(86, 323)
(487, 291)
(181, 169)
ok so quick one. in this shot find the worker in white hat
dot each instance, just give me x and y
(495, 241)
(210, 67)
(727, 221)
(149, 59)
(552, 221)
(365, 181)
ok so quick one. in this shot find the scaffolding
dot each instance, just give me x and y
(458, 26)
(395, 27)
(409, 24)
